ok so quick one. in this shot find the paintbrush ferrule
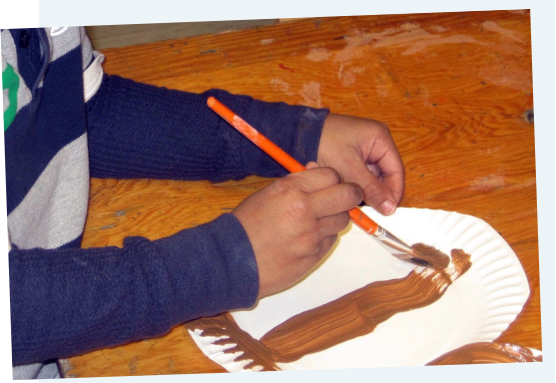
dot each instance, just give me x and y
(392, 241)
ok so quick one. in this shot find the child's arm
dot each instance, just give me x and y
(68, 301)
(138, 130)
(142, 131)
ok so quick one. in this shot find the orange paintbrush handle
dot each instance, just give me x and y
(363, 220)
(283, 158)
(254, 136)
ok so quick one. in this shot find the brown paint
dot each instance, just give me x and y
(224, 325)
(359, 312)
(353, 315)
(432, 256)
(485, 352)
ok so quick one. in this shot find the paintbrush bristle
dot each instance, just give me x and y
(429, 256)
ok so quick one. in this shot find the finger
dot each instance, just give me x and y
(311, 165)
(385, 192)
(325, 246)
(377, 194)
(381, 175)
(333, 224)
(375, 171)
(313, 180)
(391, 174)
(395, 183)
(336, 199)
(385, 160)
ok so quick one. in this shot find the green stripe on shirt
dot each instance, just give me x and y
(10, 81)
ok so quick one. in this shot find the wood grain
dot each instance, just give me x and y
(454, 88)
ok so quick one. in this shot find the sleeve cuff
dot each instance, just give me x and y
(294, 128)
(212, 268)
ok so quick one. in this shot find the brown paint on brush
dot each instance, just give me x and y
(350, 316)
(486, 352)
(430, 256)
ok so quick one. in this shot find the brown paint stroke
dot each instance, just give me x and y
(225, 326)
(431, 256)
(486, 352)
(352, 315)
(361, 311)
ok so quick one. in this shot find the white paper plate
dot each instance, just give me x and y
(477, 307)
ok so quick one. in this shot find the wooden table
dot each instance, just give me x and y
(454, 88)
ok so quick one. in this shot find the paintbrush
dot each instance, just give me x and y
(419, 254)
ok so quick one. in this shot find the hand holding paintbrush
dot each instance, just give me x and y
(293, 222)
(418, 254)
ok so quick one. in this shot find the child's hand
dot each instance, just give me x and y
(293, 222)
(363, 151)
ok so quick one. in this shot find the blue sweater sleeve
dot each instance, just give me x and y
(142, 131)
(69, 301)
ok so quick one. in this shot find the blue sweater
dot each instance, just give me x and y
(66, 121)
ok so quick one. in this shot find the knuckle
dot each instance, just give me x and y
(298, 208)
(325, 245)
(309, 243)
(382, 128)
(353, 193)
(372, 188)
(381, 125)
(301, 206)
(283, 185)
(339, 222)
(312, 235)
(332, 240)
(332, 175)
(343, 220)
(312, 238)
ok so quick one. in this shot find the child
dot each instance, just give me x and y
(66, 121)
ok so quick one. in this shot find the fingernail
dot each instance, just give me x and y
(388, 207)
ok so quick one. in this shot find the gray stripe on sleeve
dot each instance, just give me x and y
(53, 213)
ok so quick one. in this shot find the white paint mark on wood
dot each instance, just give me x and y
(318, 54)
(311, 94)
